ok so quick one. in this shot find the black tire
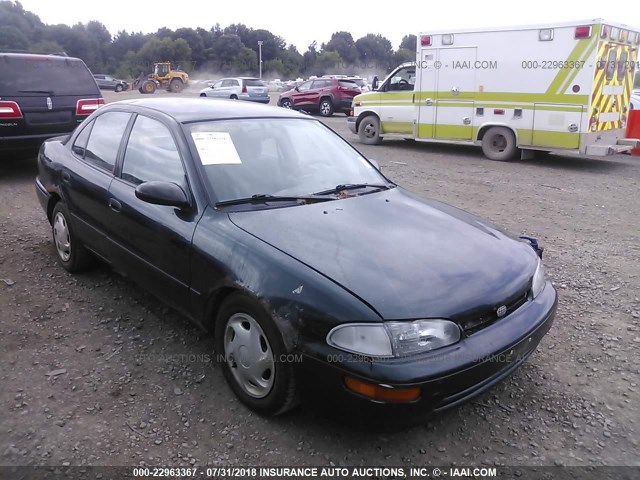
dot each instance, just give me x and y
(325, 107)
(286, 103)
(148, 86)
(119, 88)
(233, 97)
(241, 311)
(77, 257)
(203, 94)
(176, 85)
(369, 130)
(499, 144)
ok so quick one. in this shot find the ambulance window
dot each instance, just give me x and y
(404, 80)
(622, 65)
(611, 64)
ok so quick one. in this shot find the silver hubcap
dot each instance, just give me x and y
(286, 104)
(325, 108)
(249, 355)
(61, 237)
(370, 130)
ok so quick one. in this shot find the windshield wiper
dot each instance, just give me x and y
(50, 92)
(354, 186)
(264, 198)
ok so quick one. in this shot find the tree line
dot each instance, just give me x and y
(227, 51)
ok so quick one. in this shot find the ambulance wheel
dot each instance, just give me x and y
(499, 143)
(369, 130)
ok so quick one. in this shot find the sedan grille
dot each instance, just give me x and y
(478, 319)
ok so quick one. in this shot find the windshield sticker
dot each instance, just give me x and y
(215, 148)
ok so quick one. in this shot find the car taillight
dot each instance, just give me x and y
(244, 89)
(88, 105)
(10, 110)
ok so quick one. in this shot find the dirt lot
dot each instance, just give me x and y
(94, 372)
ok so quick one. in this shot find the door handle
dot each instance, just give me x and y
(66, 177)
(115, 205)
(428, 102)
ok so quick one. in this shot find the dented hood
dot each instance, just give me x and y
(406, 257)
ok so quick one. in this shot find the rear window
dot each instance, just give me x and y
(348, 84)
(38, 75)
(254, 83)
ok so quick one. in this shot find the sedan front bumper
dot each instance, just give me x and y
(446, 377)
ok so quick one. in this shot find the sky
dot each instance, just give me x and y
(300, 22)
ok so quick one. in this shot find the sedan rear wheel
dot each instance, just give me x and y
(254, 357)
(72, 255)
(118, 88)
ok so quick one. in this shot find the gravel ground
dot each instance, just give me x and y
(95, 372)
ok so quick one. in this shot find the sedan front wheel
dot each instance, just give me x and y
(254, 359)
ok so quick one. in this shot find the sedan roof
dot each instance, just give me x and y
(186, 110)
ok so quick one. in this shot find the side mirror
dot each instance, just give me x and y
(374, 163)
(163, 193)
(296, 88)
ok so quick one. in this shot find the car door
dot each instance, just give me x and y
(232, 88)
(318, 88)
(300, 97)
(397, 110)
(85, 183)
(152, 243)
(216, 89)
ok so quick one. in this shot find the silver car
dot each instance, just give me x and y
(238, 88)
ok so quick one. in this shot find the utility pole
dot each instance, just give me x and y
(260, 42)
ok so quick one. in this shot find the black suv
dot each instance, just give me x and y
(42, 96)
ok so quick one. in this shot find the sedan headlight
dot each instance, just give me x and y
(394, 339)
(539, 280)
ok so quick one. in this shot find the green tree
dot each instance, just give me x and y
(327, 62)
(12, 38)
(375, 52)
(245, 62)
(224, 49)
(403, 55)
(343, 44)
(409, 42)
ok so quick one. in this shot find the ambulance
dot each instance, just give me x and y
(513, 91)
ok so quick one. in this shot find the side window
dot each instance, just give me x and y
(235, 83)
(403, 80)
(104, 139)
(80, 144)
(151, 154)
(303, 87)
(321, 83)
(623, 65)
(611, 63)
(218, 84)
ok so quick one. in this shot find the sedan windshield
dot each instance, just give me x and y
(280, 157)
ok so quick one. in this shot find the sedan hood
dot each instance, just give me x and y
(404, 256)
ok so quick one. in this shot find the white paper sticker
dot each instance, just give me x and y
(215, 148)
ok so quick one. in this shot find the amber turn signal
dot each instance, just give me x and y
(380, 393)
